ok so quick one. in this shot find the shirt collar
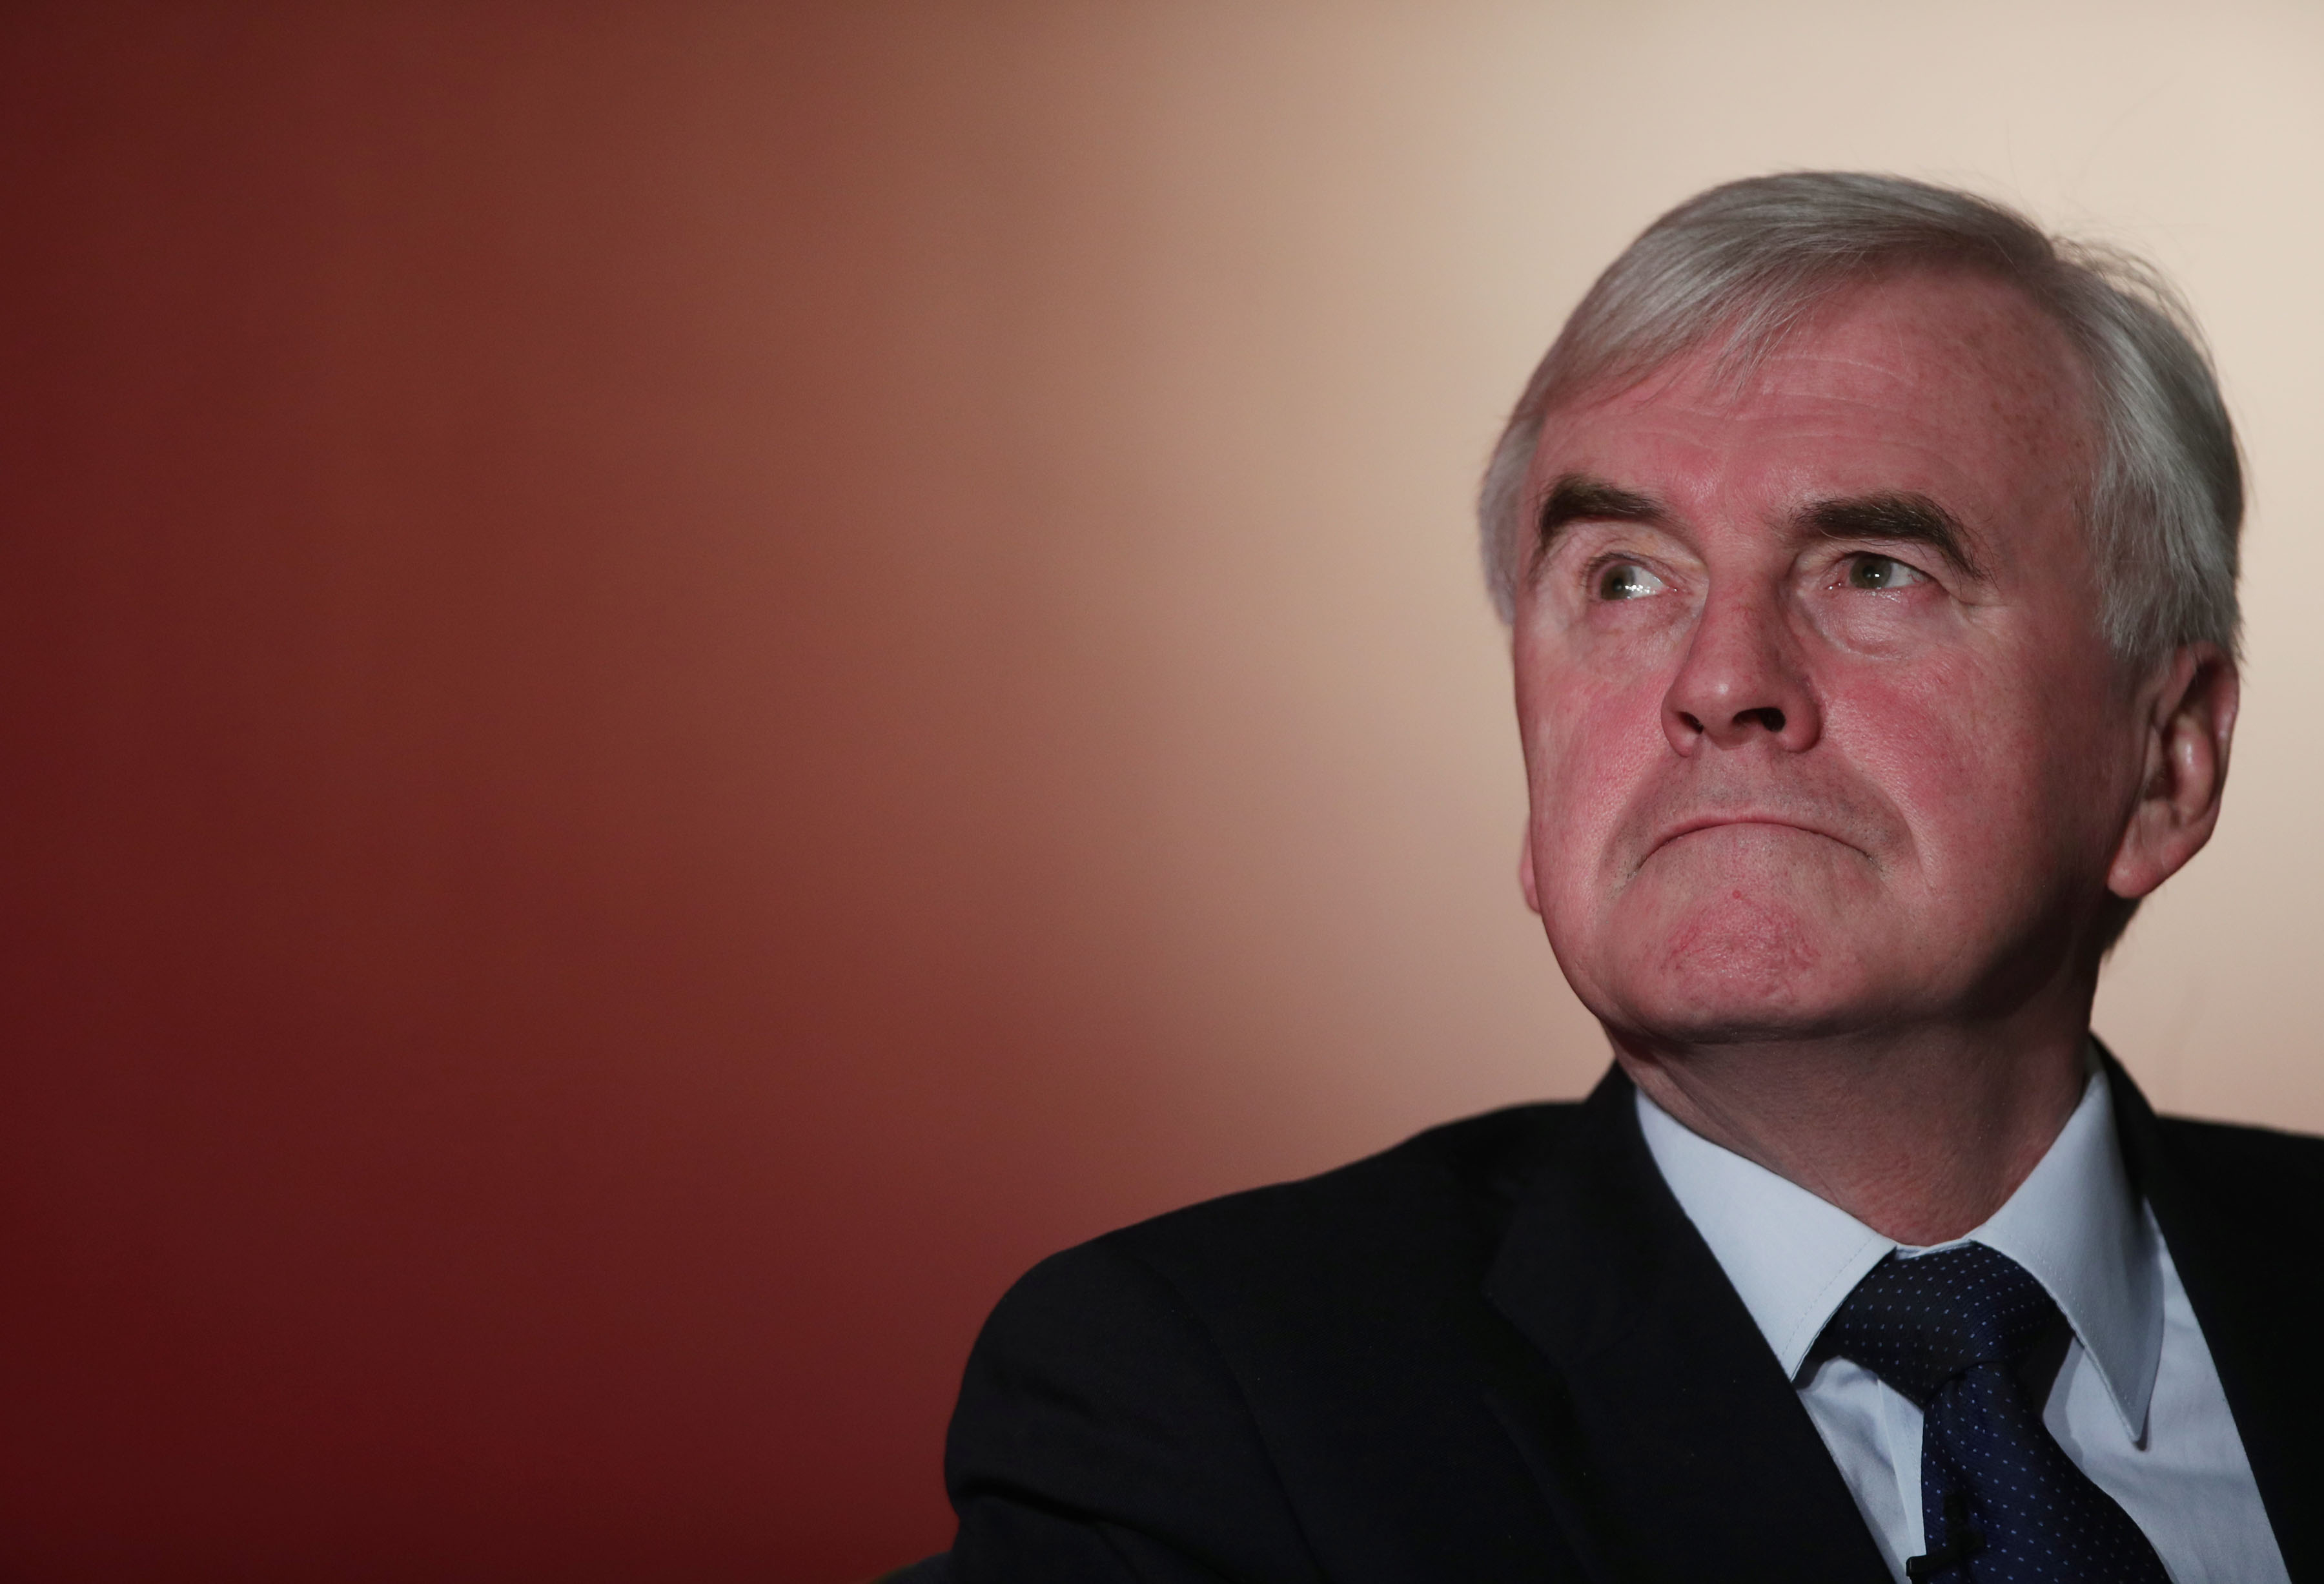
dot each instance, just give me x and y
(2074, 1224)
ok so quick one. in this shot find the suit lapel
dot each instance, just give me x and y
(2245, 1258)
(1676, 1447)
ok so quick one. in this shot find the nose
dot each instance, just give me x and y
(1741, 681)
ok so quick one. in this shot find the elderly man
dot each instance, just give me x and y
(1869, 562)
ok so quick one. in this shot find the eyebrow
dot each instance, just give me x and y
(1576, 497)
(1896, 516)
(1915, 519)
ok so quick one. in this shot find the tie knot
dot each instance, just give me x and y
(1918, 1322)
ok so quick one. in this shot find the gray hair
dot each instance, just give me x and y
(1753, 259)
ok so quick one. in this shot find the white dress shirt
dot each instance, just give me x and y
(2136, 1405)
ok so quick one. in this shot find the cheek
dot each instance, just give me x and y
(1991, 775)
(1590, 741)
(1919, 735)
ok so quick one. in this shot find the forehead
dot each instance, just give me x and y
(1953, 385)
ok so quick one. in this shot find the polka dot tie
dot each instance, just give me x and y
(2000, 1501)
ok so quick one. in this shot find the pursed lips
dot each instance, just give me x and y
(1686, 828)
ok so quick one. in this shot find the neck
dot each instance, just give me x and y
(1921, 1135)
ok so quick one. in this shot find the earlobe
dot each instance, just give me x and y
(2190, 729)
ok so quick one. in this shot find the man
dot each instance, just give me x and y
(1869, 562)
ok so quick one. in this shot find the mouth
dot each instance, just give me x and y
(1686, 828)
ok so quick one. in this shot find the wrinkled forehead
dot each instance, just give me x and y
(1949, 313)
(1953, 375)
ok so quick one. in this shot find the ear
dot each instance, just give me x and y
(2189, 724)
(1525, 872)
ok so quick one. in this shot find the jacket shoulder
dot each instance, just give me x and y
(1209, 1391)
(2234, 1199)
(2240, 1207)
(1444, 1194)
(2225, 1155)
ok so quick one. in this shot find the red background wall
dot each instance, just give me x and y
(574, 857)
(680, 680)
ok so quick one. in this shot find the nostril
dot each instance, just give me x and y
(1693, 725)
(1769, 717)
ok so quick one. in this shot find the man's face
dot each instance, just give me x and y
(1819, 729)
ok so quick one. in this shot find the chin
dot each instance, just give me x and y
(1737, 968)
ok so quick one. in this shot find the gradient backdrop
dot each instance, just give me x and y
(679, 680)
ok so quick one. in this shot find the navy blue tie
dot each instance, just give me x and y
(2000, 1501)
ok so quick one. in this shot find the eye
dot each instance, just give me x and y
(1628, 580)
(1881, 572)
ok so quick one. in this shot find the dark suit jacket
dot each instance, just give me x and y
(1501, 1351)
